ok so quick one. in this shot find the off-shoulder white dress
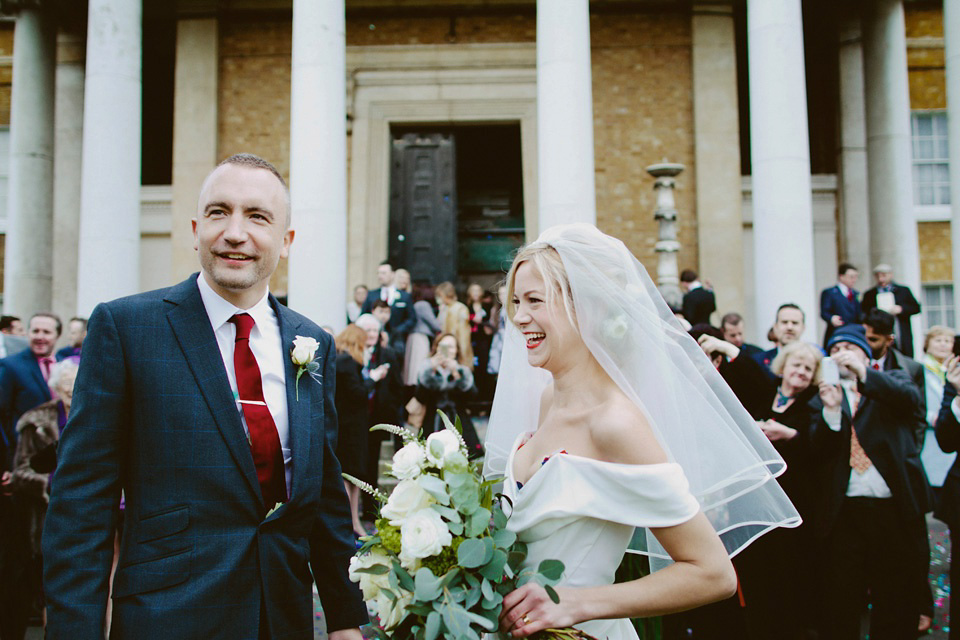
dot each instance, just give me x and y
(583, 512)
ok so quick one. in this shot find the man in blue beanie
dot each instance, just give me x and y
(872, 491)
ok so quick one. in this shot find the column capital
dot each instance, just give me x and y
(713, 8)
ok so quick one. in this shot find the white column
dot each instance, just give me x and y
(852, 167)
(318, 162)
(893, 228)
(28, 262)
(780, 156)
(716, 125)
(194, 132)
(109, 254)
(67, 158)
(566, 188)
(951, 33)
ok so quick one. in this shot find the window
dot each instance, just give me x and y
(938, 305)
(931, 180)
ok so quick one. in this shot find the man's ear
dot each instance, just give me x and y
(196, 241)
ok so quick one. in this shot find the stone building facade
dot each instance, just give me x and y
(671, 82)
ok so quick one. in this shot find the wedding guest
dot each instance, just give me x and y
(12, 326)
(788, 326)
(899, 302)
(446, 384)
(480, 330)
(76, 332)
(401, 305)
(455, 319)
(948, 437)
(402, 281)
(38, 429)
(381, 311)
(354, 307)
(937, 349)
(353, 413)
(698, 301)
(840, 304)
(418, 342)
(381, 368)
(732, 326)
(496, 341)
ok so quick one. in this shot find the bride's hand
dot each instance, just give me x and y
(529, 609)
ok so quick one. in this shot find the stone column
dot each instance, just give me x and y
(667, 247)
(951, 33)
(194, 132)
(318, 162)
(28, 261)
(852, 165)
(68, 147)
(780, 156)
(893, 228)
(567, 191)
(716, 125)
(109, 258)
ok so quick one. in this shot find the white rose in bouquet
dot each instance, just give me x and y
(407, 498)
(392, 613)
(408, 462)
(422, 535)
(440, 446)
(370, 584)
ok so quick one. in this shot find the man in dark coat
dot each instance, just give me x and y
(402, 317)
(188, 401)
(698, 303)
(904, 304)
(840, 304)
(872, 491)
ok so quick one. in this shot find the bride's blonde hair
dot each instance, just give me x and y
(547, 262)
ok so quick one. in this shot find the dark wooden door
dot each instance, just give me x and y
(423, 207)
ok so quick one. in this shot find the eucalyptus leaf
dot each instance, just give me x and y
(472, 554)
(456, 528)
(487, 590)
(451, 515)
(433, 626)
(551, 569)
(405, 579)
(473, 597)
(493, 603)
(436, 487)
(484, 623)
(495, 568)
(552, 593)
(479, 521)
(375, 570)
(504, 538)
(427, 585)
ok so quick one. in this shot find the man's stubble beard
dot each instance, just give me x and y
(235, 281)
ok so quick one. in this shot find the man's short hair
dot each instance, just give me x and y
(386, 263)
(688, 275)
(379, 304)
(52, 316)
(880, 321)
(256, 162)
(82, 321)
(790, 305)
(733, 318)
(6, 322)
(844, 267)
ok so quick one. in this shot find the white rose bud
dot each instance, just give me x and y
(370, 584)
(392, 613)
(304, 350)
(407, 498)
(440, 446)
(422, 535)
(408, 462)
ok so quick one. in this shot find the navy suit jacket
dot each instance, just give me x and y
(22, 388)
(153, 415)
(948, 437)
(402, 317)
(834, 303)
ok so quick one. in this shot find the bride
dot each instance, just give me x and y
(614, 431)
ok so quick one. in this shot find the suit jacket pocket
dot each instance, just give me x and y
(153, 574)
(163, 524)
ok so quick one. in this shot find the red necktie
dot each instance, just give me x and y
(850, 295)
(264, 439)
(45, 368)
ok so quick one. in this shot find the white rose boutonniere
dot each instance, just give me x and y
(303, 356)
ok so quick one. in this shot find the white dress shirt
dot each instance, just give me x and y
(265, 343)
(869, 484)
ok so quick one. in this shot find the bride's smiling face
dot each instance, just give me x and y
(551, 339)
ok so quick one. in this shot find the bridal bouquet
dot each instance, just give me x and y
(442, 558)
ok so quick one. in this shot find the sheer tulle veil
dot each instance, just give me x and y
(701, 425)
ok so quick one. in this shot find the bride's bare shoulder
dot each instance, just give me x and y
(621, 433)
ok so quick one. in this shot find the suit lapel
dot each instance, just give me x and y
(191, 326)
(298, 411)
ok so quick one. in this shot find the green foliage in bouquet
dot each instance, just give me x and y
(442, 558)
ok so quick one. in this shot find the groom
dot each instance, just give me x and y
(186, 401)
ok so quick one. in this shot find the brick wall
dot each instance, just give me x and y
(643, 109)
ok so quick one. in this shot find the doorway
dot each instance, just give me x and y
(456, 202)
